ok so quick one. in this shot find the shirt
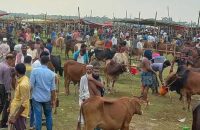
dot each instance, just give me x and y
(140, 45)
(157, 67)
(80, 59)
(20, 58)
(33, 53)
(4, 49)
(114, 41)
(22, 96)
(36, 64)
(42, 83)
(49, 47)
(28, 70)
(83, 90)
(5, 75)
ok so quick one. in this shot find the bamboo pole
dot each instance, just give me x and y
(198, 24)
(155, 19)
(139, 20)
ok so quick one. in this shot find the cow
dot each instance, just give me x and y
(102, 54)
(69, 46)
(108, 114)
(121, 58)
(185, 82)
(59, 43)
(73, 71)
(56, 61)
(112, 72)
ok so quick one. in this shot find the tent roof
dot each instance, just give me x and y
(150, 22)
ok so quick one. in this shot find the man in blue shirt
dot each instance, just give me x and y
(43, 93)
(49, 45)
(81, 55)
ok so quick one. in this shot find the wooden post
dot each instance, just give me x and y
(79, 18)
(198, 24)
(191, 33)
(126, 14)
(155, 19)
(139, 20)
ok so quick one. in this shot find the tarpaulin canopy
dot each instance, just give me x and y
(150, 22)
(2, 13)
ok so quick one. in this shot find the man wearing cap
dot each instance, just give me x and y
(6, 68)
(4, 49)
(86, 89)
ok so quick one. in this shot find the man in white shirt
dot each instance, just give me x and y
(128, 42)
(114, 40)
(151, 39)
(4, 49)
(32, 51)
(37, 62)
(140, 49)
(121, 35)
(140, 44)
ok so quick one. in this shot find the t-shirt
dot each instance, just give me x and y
(80, 59)
(157, 67)
(140, 45)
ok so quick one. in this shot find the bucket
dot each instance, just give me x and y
(133, 70)
(163, 90)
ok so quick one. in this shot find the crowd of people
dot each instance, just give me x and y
(25, 72)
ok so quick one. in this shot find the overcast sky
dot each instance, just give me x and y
(184, 10)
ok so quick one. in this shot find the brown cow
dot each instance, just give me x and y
(185, 82)
(109, 114)
(59, 43)
(69, 46)
(73, 71)
(112, 72)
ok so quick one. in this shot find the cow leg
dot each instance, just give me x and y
(184, 101)
(113, 83)
(67, 81)
(189, 101)
(108, 84)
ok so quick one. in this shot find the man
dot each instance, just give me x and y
(159, 67)
(49, 45)
(140, 48)
(27, 62)
(81, 55)
(114, 40)
(32, 51)
(135, 41)
(128, 42)
(37, 62)
(5, 87)
(19, 108)
(20, 56)
(86, 89)
(4, 49)
(43, 93)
